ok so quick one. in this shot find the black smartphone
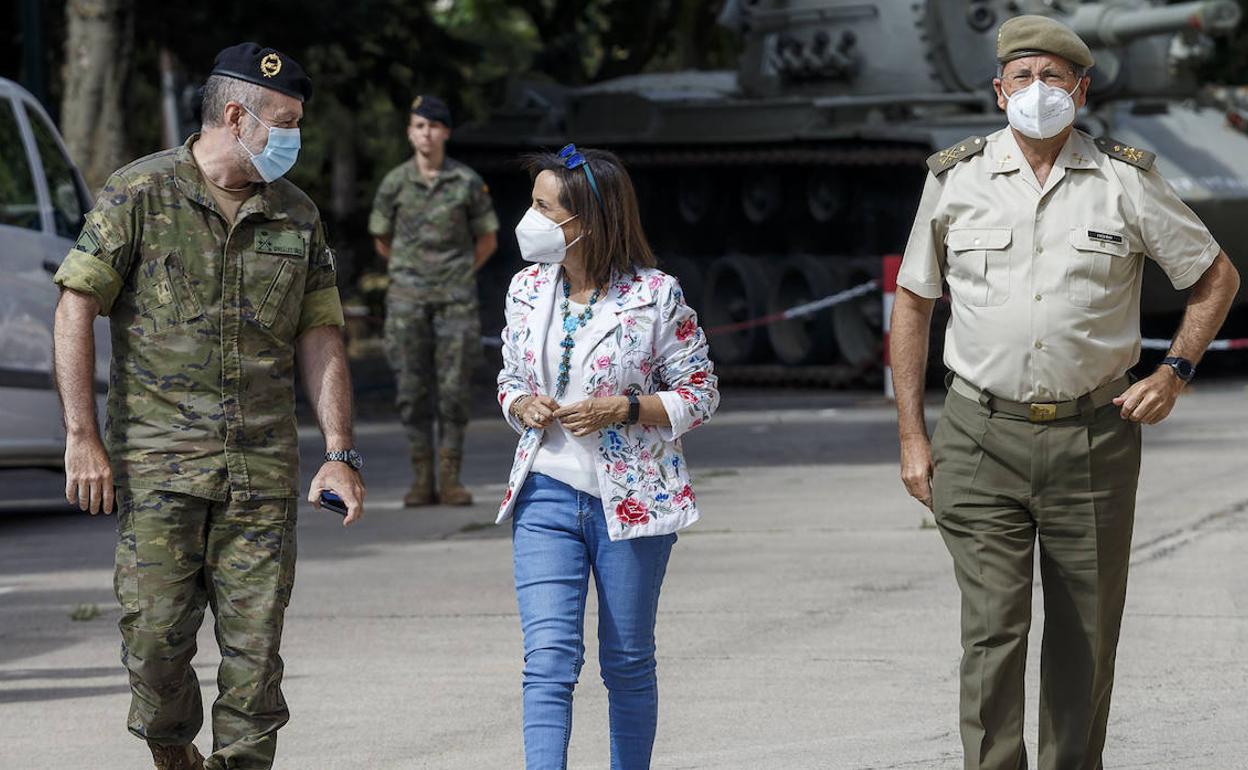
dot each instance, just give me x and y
(333, 502)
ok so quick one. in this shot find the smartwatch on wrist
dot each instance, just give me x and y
(634, 409)
(1185, 369)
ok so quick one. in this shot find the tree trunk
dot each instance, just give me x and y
(344, 192)
(98, 49)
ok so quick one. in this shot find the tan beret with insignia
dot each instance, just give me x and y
(1030, 35)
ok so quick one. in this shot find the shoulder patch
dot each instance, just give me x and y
(87, 242)
(1142, 159)
(940, 162)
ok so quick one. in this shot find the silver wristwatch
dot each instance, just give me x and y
(348, 456)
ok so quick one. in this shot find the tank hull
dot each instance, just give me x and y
(788, 179)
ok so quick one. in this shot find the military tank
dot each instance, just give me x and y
(786, 180)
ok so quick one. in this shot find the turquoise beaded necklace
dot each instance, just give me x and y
(570, 325)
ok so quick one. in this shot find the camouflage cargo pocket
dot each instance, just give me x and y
(286, 561)
(126, 566)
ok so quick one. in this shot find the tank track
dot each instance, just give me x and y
(870, 155)
(859, 155)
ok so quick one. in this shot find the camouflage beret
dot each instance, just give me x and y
(1030, 35)
(265, 67)
(432, 108)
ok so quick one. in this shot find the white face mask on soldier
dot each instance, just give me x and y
(1040, 111)
(541, 239)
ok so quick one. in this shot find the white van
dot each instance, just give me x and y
(42, 204)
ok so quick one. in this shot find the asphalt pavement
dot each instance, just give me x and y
(808, 621)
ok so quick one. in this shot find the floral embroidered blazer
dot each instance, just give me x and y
(643, 339)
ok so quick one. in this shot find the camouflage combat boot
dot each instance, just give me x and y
(450, 491)
(421, 492)
(176, 757)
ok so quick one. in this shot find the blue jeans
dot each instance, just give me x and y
(559, 536)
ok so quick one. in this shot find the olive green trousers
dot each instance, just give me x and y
(1001, 486)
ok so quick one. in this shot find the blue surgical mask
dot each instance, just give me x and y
(280, 151)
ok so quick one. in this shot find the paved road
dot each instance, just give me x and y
(809, 621)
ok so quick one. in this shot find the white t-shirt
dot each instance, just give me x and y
(562, 456)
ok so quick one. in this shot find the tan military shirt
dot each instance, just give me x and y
(1045, 281)
(204, 316)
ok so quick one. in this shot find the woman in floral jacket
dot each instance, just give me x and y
(604, 368)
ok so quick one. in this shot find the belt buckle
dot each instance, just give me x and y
(1042, 412)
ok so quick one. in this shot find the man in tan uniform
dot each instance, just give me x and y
(1041, 233)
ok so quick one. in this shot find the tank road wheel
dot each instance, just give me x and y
(859, 323)
(700, 211)
(825, 195)
(736, 290)
(689, 273)
(694, 197)
(762, 196)
(809, 339)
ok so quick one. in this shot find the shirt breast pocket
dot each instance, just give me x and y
(979, 265)
(281, 269)
(279, 309)
(1098, 258)
(165, 296)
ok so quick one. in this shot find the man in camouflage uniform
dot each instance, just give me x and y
(213, 270)
(434, 223)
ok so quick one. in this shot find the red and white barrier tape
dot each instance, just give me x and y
(1233, 344)
(892, 265)
(809, 308)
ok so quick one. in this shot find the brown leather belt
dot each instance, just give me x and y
(1047, 412)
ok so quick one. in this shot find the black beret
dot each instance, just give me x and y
(265, 67)
(432, 108)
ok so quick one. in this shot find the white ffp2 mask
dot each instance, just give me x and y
(541, 239)
(1040, 111)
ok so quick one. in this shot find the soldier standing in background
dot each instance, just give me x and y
(434, 224)
(214, 272)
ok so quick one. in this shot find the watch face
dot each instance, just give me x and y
(355, 460)
(1182, 367)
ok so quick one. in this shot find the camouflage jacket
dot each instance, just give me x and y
(433, 228)
(204, 318)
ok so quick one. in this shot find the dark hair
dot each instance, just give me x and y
(614, 241)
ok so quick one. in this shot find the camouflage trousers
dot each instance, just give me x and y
(433, 345)
(177, 554)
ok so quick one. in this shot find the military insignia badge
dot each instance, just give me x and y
(87, 242)
(949, 157)
(271, 65)
(283, 243)
(416, 102)
(1126, 153)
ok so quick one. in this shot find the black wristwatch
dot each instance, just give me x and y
(634, 408)
(1185, 369)
(348, 456)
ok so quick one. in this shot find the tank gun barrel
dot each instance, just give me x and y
(1105, 25)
